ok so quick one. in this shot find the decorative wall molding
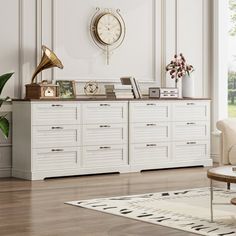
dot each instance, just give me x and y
(183, 39)
(21, 14)
(191, 40)
(207, 39)
(219, 64)
(27, 38)
(21, 52)
(11, 58)
(49, 37)
(5, 172)
(169, 38)
(166, 26)
(39, 38)
(33, 15)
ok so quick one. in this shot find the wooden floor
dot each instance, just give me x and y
(37, 208)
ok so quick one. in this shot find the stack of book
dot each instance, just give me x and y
(119, 91)
(134, 84)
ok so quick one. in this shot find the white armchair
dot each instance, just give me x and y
(228, 141)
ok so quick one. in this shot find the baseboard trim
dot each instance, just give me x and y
(215, 158)
(21, 174)
(5, 172)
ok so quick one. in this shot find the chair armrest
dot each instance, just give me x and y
(232, 155)
(228, 129)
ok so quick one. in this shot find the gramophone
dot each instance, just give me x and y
(44, 90)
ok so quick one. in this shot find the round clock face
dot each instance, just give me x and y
(108, 29)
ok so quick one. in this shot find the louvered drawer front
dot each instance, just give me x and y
(191, 130)
(149, 111)
(149, 132)
(51, 136)
(96, 113)
(105, 156)
(191, 150)
(191, 111)
(56, 158)
(104, 133)
(55, 113)
(149, 152)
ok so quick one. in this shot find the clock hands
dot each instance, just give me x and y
(109, 30)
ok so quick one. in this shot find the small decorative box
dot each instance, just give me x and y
(156, 92)
(41, 91)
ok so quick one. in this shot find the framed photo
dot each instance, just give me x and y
(66, 88)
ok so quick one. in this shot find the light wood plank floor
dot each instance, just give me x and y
(37, 208)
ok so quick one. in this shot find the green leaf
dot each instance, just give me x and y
(3, 79)
(4, 126)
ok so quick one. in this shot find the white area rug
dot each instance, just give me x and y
(187, 210)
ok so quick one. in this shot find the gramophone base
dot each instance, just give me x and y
(41, 91)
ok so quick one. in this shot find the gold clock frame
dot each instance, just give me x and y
(108, 48)
(96, 32)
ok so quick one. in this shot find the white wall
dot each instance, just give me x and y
(156, 30)
(9, 62)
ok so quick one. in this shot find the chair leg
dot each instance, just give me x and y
(228, 186)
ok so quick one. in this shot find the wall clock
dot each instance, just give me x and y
(108, 30)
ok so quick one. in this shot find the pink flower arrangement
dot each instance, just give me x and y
(178, 67)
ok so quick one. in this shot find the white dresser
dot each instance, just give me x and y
(64, 138)
(166, 134)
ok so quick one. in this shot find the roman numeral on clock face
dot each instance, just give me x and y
(108, 29)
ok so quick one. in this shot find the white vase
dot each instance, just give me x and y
(188, 86)
(178, 85)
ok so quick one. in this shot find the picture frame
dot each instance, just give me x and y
(66, 88)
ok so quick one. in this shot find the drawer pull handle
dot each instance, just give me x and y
(151, 124)
(57, 127)
(191, 123)
(190, 103)
(105, 147)
(151, 104)
(105, 105)
(191, 143)
(57, 150)
(57, 105)
(105, 126)
(151, 145)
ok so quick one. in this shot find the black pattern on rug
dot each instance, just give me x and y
(187, 210)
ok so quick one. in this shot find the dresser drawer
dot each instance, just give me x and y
(59, 136)
(56, 158)
(191, 111)
(191, 130)
(105, 112)
(55, 113)
(105, 134)
(149, 153)
(149, 132)
(149, 111)
(105, 156)
(191, 150)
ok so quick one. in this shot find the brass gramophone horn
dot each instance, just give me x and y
(49, 60)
